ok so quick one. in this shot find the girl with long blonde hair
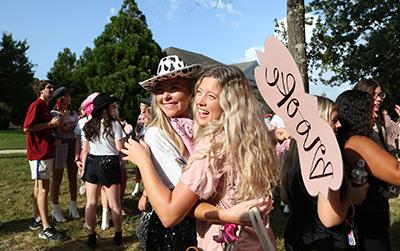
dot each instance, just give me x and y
(233, 159)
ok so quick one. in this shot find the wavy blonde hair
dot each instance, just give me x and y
(325, 107)
(246, 145)
(160, 120)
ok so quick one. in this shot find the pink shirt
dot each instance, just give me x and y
(199, 178)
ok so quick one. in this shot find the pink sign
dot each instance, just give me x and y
(281, 86)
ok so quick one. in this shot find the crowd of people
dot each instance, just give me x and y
(206, 156)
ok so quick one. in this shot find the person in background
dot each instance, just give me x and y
(103, 139)
(38, 126)
(64, 153)
(357, 114)
(140, 130)
(233, 159)
(87, 107)
(316, 223)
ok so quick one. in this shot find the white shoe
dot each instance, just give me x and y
(105, 220)
(56, 213)
(136, 190)
(73, 210)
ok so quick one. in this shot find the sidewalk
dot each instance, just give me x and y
(2, 152)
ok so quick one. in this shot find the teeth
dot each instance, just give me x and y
(204, 112)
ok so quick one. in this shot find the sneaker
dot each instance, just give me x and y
(51, 234)
(35, 225)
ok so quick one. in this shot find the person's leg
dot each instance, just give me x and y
(105, 222)
(92, 195)
(42, 191)
(72, 170)
(138, 179)
(55, 193)
(113, 196)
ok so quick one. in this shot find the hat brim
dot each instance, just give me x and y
(189, 72)
(97, 109)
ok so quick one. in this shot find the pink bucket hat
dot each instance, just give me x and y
(87, 104)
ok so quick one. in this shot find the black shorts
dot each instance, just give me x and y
(104, 170)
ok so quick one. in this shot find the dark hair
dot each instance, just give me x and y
(367, 85)
(39, 86)
(355, 114)
(93, 127)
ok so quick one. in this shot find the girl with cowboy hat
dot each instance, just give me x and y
(102, 141)
(233, 160)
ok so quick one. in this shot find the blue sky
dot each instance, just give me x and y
(226, 32)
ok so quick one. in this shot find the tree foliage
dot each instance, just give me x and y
(124, 54)
(16, 77)
(357, 39)
(62, 73)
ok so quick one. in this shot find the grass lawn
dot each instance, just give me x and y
(16, 215)
(12, 139)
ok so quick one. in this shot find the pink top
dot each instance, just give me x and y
(198, 177)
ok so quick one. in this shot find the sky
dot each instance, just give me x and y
(228, 31)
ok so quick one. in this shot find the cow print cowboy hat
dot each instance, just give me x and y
(171, 67)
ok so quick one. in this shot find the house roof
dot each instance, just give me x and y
(191, 57)
(196, 58)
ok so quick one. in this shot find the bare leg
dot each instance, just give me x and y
(41, 190)
(92, 196)
(113, 195)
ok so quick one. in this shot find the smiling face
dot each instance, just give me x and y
(207, 101)
(378, 100)
(334, 120)
(173, 97)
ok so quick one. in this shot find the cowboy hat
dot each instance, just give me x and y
(101, 102)
(171, 67)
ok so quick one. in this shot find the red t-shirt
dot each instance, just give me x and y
(39, 144)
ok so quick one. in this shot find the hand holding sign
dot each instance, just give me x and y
(281, 86)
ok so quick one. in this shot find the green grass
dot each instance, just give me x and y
(12, 139)
(16, 214)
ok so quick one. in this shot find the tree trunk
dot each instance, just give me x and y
(297, 37)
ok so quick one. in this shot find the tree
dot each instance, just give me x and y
(358, 39)
(62, 71)
(123, 55)
(297, 37)
(16, 77)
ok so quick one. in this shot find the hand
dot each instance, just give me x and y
(357, 194)
(138, 153)
(239, 214)
(80, 167)
(142, 203)
(397, 109)
(55, 121)
(281, 134)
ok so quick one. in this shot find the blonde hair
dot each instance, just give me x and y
(246, 145)
(160, 120)
(325, 108)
